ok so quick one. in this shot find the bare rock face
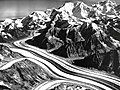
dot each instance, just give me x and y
(23, 75)
(85, 32)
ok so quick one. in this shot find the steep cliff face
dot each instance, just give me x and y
(88, 33)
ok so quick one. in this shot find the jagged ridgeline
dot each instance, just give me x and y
(87, 35)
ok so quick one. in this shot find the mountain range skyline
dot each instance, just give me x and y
(16, 8)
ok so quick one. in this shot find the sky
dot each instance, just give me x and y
(21, 8)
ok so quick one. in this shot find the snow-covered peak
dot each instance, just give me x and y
(41, 15)
(7, 21)
(68, 7)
